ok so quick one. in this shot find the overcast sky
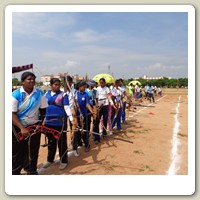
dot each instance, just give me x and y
(132, 44)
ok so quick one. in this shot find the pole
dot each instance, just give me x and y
(108, 69)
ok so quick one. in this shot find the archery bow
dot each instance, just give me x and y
(42, 129)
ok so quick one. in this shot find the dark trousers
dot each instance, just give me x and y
(21, 157)
(124, 112)
(82, 136)
(151, 96)
(103, 112)
(61, 142)
(117, 119)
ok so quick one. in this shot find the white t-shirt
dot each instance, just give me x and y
(71, 96)
(137, 89)
(117, 92)
(102, 95)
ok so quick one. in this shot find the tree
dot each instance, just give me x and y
(16, 82)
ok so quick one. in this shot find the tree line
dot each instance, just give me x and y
(165, 82)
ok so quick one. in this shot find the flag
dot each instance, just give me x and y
(21, 68)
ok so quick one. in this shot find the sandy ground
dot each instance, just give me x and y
(151, 129)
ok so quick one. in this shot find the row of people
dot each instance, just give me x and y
(52, 109)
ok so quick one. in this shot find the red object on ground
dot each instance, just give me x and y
(151, 113)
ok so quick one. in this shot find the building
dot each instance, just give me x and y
(46, 78)
(152, 78)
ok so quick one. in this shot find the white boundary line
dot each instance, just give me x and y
(175, 143)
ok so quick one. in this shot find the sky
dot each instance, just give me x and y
(133, 44)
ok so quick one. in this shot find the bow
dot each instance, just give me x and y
(42, 129)
(74, 108)
(116, 111)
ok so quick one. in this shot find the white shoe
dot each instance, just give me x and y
(111, 133)
(62, 166)
(115, 127)
(76, 152)
(47, 164)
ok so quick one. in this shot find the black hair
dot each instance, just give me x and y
(82, 83)
(102, 79)
(121, 80)
(117, 81)
(76, 86)
(69, 79)
(26, 74)
(53, 80)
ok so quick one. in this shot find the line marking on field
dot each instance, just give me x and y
(147, 106)
(175, 143)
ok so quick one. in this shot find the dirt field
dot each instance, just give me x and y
(159, 147)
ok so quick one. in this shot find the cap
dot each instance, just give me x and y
(91, 83)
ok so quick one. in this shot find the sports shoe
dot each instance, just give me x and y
(47, 164)
(96, 141)
(62, 166)
(111, 133)
(115, 127)
(120, 130)
(87, 148)
(76, 152)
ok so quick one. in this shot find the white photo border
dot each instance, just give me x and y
(107, 184)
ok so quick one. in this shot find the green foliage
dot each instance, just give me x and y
(165, 82)
(16, 82)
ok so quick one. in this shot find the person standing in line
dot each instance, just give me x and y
(28, 108)
(155, 90)
(91, 91)
(92, 96)
(117, 94)
(147, 91)
(56, 118)
(151, 93)
(72, 96)
(124, 97)
(137, 91)
(159, 91)
(102, 102)
(131, 89)
(84, 118)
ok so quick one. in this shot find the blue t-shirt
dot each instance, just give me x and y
(146, 88)
(151, 90)
(83, 99)
(92, 96)
(55, 112)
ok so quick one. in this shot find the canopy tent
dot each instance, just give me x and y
(109, 79)
(22, 68)
(134, 83)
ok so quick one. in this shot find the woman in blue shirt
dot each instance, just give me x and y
(84, 113)
(56, 118)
